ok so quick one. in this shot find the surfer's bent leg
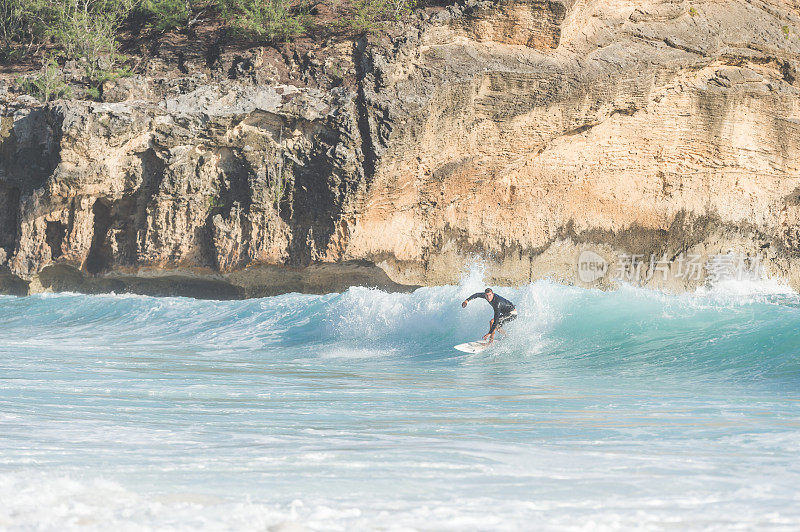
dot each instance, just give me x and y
(505, 318)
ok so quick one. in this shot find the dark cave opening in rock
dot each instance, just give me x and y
(54, 235)
(99, 258)
(9, 215)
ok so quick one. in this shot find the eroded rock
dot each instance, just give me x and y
(522, 132)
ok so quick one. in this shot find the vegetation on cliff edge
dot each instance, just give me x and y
(84, 36)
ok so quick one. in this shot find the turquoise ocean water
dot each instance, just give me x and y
(617, 410)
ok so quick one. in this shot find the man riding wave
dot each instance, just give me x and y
(504, 311)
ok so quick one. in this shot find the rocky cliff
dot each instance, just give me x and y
(522, 133)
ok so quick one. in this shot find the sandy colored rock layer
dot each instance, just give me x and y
(520, 133)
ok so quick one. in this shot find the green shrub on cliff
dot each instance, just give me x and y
(165, 15)
(213, 202)
(87, 29)
(47, 84)
(81, 29)
(363, 16)
(21, 23)
(86, 33)
(271, 20)
(400, 8)
(12, 22)
(94, 91)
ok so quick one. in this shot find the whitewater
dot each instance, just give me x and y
(352, 411)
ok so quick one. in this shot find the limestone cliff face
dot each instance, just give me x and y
(213, 180)
(521, 132)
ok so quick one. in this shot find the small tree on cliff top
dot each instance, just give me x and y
(271, 20)
(362, 16)
(47, 84)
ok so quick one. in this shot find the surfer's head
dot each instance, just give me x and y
(489, 294)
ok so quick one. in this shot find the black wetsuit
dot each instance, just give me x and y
(504, 310)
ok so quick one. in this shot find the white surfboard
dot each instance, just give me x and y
(472, 347)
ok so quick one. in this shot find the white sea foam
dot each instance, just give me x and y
(41, 502)
(747, 288)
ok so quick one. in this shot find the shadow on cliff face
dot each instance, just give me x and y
(129, 212)
(65, 278)
(238, 183)
(9, 216)
(29, 153)
(258, 281)
(30, 147)
(58, 278)
(100, 257)
(54, 237)
(235, 187)
(321, 188)
(11, 284)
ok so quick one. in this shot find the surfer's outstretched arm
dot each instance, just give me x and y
(473, 296)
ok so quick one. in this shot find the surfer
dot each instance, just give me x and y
(504, 311)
